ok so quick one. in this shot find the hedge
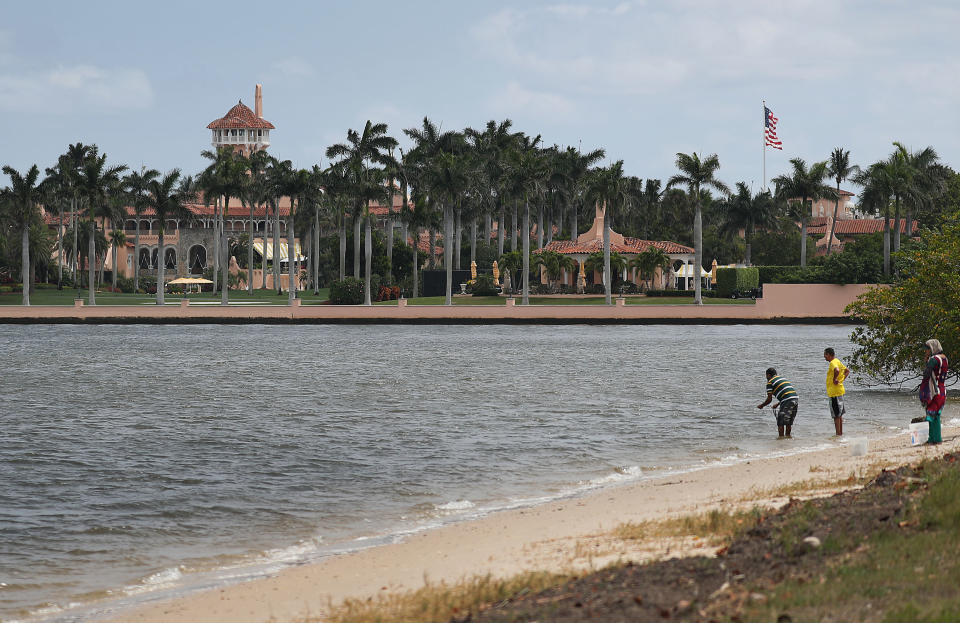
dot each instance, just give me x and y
(347, 292)
(741, 280)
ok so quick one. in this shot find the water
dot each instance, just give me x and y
(141, 461)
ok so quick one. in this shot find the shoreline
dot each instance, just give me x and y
(527, 538)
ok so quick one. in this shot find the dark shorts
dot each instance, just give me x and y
(787, 413)
(836, 407)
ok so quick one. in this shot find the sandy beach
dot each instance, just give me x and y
(561, 535)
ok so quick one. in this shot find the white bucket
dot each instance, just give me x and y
(859, 446)
(919, 433)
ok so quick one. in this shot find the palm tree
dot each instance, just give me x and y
(697, 174)
(252, 194)
(136, 186)
(529, 172)
(509, 263)
(648, 262)
(807, 186)
(876, 183)
(553, 263)
(168, 202)
(362, 148)
(98, 182)
(224, 178)
(926, 181)
(743, 211)
(599, 261)
(608, 188)
(839, 169)
(23, 197)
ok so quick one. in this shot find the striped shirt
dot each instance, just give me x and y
(781, 389)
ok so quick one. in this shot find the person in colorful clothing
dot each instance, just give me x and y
(787, 401)
(836, 373)
(933, 391)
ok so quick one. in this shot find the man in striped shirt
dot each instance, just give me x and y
(786, 407)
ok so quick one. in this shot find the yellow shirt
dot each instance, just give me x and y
(838, 389)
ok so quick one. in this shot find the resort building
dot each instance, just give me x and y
(848, 230)
(590, 242)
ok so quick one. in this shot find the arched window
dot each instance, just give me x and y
(170, 255)
(145, 258)
(198, 259)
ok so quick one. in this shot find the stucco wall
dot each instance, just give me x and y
(781, 302)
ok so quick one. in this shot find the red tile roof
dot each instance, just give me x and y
(240, 117)
(630, 245)
(853, 227)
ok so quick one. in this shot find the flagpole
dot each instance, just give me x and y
(764, 140)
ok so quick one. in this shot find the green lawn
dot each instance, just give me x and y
(46, 295)
(567, 300)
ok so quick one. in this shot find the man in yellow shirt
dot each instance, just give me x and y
(836, 373)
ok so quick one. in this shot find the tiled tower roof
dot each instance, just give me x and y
(240, 117)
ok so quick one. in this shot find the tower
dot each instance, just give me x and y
(241, 128)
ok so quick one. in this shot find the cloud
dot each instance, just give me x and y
(294, 66)
(538, 104)
(69, 88)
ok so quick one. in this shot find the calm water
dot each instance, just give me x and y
(143, 460)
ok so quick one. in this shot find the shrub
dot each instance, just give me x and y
(595, 288)
(125, 284)
(736, 280)
(707, 294)
(626, 287)
(483, 286)
(347, 292)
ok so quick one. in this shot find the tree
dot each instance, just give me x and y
(839, 169)
(609, 189)
(697, 174)
(136, 186)
(922, 303)
(743, 211)
(168, 202)
(223, 178)
(509, 263)
(648, 262)
(927, 181)
(23, 197)
(98, 182)
(529, 173)
(553, 264)
(806, 185)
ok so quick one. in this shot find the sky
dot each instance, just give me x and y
(642, 80)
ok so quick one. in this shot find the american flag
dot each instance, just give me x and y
(770, 130)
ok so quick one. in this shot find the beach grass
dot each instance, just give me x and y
(440, 602)
(908, 571)
(716, 525)
(49, 295)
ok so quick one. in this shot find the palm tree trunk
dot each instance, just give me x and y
(60, 250)
(574, 213)
(803, 240)
(225, 267)
(25, 261)
(526, 253)
(160, 267)
(266, 240)
(432, 235)
(607, 273)
(458, 236)
(389, 237)
(748, 237)
(136, 254)
(886, 239)
(216, 246)
(368, 260)
(92, 264)
(276, 245)
(74, 261)
(697, 251)
(487, 227)
(896, 223)
(291, 257)
(343, 246)
(250, 252)
(833, 223)
(513, 239)
(501, 230)
(549, 226)
(473, 241)
(316, 249)
(448, 251)
(909, 225)
(356, 244)
(416, 262)
(113, 280)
